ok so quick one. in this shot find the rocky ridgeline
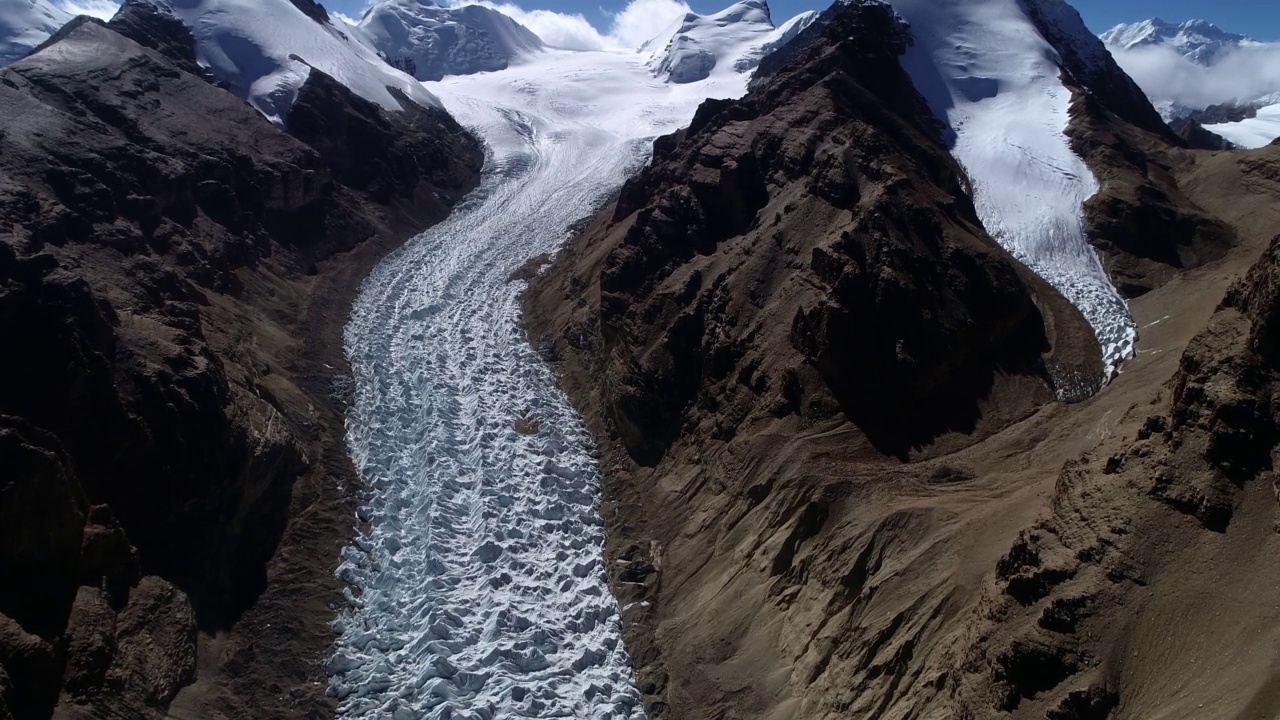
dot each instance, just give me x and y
(159, 241)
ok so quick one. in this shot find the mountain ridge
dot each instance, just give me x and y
(173, 272)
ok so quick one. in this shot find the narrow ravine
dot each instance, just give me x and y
(478, 590)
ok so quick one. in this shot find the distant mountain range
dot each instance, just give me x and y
(1224, 70)
(1197, 40)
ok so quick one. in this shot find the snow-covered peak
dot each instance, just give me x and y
(694, 46)
(24, 24)
(785, 33)
(1199, 40)
(429, 41)
(265, 50)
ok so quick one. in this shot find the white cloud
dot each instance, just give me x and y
(628, 28)
(1238, 74)
(103, 9)
(344, 18)
(562, 30)
(641, 20)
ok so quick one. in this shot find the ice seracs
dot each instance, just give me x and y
(478, 587)
(266, 49)
(996, 84)
(428, 41)
(24, 24)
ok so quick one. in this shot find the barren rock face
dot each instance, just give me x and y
(837, 482)
(158, 243)
(821, 213)
(795, 290)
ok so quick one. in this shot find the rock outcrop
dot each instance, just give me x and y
(165, 256)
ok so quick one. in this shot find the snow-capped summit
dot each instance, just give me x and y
(429, 41)
(265, 50)
(732, 40)
(1198, 40)
(24, 24)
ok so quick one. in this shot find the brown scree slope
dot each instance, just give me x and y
(837, 480)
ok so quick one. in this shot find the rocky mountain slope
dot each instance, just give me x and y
(428, 41)
(838, 482)
(174, 272)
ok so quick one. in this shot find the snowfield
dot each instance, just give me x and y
(265, 50)
(1254, 132)
(429, 41)
(990, 76)
(24, 24)
(479, 588)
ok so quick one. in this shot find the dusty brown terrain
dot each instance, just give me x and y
(789, 543)
(174, 277)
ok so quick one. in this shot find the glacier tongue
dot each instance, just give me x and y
(479, 588)
(994, 81)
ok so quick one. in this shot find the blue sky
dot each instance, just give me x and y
(1259, 18)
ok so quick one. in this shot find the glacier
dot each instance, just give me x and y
(995, 83)
(1258, 131)
(478, 588)
(24, 24)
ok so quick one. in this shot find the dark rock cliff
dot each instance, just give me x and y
(160, 244)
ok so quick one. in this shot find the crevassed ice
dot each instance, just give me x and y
(478, 590)
(990, 76)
